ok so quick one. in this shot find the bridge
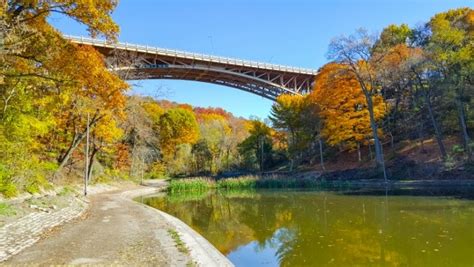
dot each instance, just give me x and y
(263, 79)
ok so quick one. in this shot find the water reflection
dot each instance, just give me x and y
(271, 228)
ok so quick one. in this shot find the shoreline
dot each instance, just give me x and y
(48, 233)
(202, 252)
(199, 249)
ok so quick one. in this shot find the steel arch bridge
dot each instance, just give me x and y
(263, 79)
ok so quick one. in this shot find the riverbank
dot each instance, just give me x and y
(114, 229)
(311, 180)
(26, 219)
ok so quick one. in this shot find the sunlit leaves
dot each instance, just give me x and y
(343, 106)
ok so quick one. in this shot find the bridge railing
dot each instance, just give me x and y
(188, 55)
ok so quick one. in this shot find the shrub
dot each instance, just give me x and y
(157, 171)
(7, 188)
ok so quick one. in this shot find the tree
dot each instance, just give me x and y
(343, 106)
(45, 81)
(451, 48)
(103, 138)
(177, 126)
(257, 148)
(298, 117)
(101, 94)
(141, 133)
(356, 52)
(214, 131)
(96, 15)
(287, 115)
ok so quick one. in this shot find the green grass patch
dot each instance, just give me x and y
(67, 191)
(200, 184)
(191, 185)
(243, 182)
(7, 210)
(180, 245)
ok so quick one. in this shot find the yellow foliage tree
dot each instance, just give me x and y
(177, 126)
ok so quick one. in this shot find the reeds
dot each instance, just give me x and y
(199, 184)
(202, 184)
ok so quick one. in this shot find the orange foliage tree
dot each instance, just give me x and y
(343, 106)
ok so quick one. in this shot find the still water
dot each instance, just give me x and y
(307, 228)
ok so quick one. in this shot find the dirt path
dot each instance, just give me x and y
(115, 230)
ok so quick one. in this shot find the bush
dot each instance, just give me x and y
(157, 171)
(7, 188)
(35, 183)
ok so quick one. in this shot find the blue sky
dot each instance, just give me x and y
(290, 32)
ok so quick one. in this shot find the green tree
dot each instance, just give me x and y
(258, 147)
(451, 47)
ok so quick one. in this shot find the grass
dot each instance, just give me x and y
(67, 191)
(7, 210)
(198, 184)
(180, 245)
(201, 184)
(243, 182)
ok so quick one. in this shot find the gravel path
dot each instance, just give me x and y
(115, 230)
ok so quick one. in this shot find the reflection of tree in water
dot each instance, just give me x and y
(321, 228)
(284, 242)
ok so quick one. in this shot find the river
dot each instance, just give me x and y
(331, 228)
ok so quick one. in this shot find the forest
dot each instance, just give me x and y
(377, 93)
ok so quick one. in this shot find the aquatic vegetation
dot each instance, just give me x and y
(202, 184)
(198, 184)
(238, 182)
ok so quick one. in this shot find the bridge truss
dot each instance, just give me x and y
(266, 80)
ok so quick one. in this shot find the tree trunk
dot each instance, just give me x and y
(421, 137)
(378, 146)
(321, 156)
(91, 162)
(74, 144)
(462, 122)
(438, 134)
(392, 142)
(358, 152)
(370, 151)
(78, 137)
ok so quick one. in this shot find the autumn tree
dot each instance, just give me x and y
(101, 95)
(214, 131)
(177, 126)
(343, 107)
(38, 85)
(356, 51)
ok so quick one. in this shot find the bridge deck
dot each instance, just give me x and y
(267, 80)
(190, 55)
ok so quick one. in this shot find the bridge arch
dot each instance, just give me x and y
(266, 80)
